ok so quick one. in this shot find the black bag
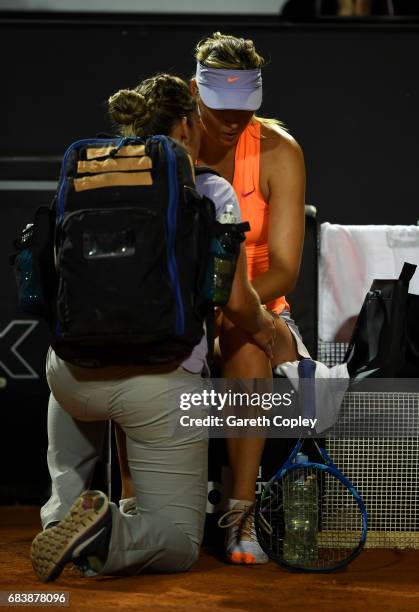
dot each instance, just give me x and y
(132, 239)
(385, 340)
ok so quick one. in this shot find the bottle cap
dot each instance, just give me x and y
(301, 458)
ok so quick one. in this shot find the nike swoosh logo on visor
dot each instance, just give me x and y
(232, 79)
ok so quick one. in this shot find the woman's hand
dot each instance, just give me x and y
(266, 336)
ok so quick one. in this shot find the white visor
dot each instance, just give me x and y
(232, 89)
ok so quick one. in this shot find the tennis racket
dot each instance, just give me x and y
(309, 516)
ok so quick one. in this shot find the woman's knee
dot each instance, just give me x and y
(241, 358)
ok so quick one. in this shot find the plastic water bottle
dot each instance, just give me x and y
(222, 265)
(27, 275)
(300, 498)
(228, 215)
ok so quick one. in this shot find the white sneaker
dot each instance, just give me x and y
(242, 546)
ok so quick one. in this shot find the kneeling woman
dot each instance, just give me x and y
(169, 473)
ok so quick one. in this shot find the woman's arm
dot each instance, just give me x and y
(244, 308)
(282, 181)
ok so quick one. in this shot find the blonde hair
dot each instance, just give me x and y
(231, 53)
(228, 52)
(153, 107)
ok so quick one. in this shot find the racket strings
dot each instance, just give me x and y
(309, 519)
(274, 504)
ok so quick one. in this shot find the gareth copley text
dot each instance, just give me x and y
(235, 421)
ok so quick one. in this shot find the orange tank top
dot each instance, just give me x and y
(253, 207)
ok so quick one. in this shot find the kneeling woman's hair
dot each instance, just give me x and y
(153, 107)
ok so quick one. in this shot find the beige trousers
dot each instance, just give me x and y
(169, 469)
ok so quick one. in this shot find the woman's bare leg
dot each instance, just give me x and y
(242, 359)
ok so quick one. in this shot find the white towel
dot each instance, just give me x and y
(351, 257)
(329, 391)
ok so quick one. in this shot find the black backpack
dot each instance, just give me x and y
(131, 237)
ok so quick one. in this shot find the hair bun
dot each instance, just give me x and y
(127, 107)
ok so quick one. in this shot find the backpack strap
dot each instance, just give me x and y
(210, 317)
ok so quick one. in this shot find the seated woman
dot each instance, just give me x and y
(265, 166)
(169, 473)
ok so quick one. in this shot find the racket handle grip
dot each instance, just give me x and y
(306, 368)
(307, 401)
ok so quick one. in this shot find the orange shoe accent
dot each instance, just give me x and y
(241, 558)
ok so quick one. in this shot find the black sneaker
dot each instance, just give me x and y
(85, 530)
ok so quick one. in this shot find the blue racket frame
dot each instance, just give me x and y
(306, 370)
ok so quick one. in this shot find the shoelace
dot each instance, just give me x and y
(242, 520)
